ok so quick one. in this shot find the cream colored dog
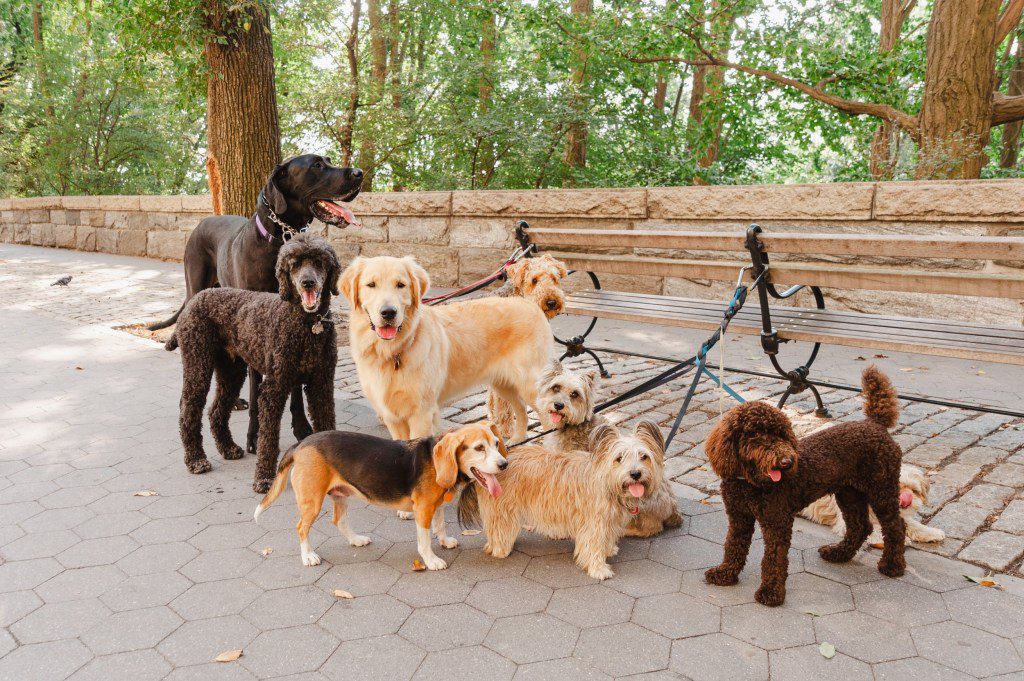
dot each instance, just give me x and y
(412, 359)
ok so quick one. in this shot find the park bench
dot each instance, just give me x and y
(801, 263)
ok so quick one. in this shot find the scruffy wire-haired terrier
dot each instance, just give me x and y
(587, 497)
(538, 279)
(768, 476)
(567, 399)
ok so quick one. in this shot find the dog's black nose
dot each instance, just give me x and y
(308, 283)
(785, 463)
(503, 465)
(551, 303)
(388, 313)
(357, 173)
(559, 406)
(635, 474)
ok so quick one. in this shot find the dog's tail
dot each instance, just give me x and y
(280, 482)
(880, 402)
(156, 326)
(172, 343)
(469, 507)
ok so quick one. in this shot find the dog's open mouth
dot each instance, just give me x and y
(637, 489)
(387, 331)
(310, 298)
(906, 498)
(489, 481)
(775, 474)
(556, 417)
(333, 213)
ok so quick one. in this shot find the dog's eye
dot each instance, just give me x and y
(400, 284)
(535, 280)
(318, 165)
(479, 448)
(618, 459)
(644, 457)
(371, 284)
(574, 394)
(556, 388)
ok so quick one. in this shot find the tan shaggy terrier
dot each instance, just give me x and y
(914, 488)
(587, 497)
(538, 279)
(566, 399)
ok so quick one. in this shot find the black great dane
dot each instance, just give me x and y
(238, 252)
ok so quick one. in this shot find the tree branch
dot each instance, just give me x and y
(1007, 109)
(1008, 20)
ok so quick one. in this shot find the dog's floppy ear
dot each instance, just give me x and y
(516, 272)
(651, 436)
(593, 378)
(272, 192)
(349, 282)
(420, 279)
(446, 460)
(722, 446)
(603, 437)
(553, 368)
(497, 434)
(285, 261)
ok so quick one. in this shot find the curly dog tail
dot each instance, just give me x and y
(880, 402)
(172, 343)
(280, 482)
(469, 506)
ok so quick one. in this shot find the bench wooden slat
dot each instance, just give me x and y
(990, 285)
(810, 331)
(883, 245)
(838, 317)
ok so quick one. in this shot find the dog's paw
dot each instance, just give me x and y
(262, 485)
(836, 553)
(601, 572)
(892, 568)
(434, 563)
(359, 540)
(721, 576)
(770, 596)
(404, 515)
(250, 445)
(673, 521)
(199, 466)
(310, 559)
(241, 405)
(302, 431)
(448, 542)
(233, 453)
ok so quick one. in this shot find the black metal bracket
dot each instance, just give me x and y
(522, 237)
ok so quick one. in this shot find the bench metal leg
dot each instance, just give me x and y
(575, 346)
(797, 384)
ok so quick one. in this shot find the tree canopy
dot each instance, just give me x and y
(109, 96)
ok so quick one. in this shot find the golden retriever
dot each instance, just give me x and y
(412, 359)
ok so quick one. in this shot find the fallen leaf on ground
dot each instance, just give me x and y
(267, 550)
(878, 545)
(146, 493)
(983, 581)
(827, 650)
(341, 593)
(80, 369)
(860, 358)
(881, 356)
(228, 656)
(981, 372)
(812, 613)
(705, 502)
(418, 566)
(470, 533)
(906, 368)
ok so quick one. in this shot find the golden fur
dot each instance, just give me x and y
(439, 353)
(570, 494)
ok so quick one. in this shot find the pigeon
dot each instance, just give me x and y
(63, 281)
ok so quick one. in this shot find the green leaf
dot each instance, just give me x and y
(827, 650)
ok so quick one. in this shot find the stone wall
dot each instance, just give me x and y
(463, 235)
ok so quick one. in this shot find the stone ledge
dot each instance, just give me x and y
(847, 201)
(951, 200)
(402, 203)
(552, 202)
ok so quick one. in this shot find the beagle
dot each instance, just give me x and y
(416, 475)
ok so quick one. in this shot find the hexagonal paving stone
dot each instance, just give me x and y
(474, 565)
(55, 660)
(564, 669)
(74, 496)
(201, 641)
(809, 593)
(623, 649)
(131, 630)
(917, 668)
(56, 519)
(865, 637)
(446, 626)
(55, 621)
(360, 579)
(40, 545)
(768, 628)
(214, 565)
(279, 572)
(365, 617)
(806, 663)
(421, 589)
(860, 570)
(166, 530)
(101, 551)
(509, 596)
(590, 606)
(694, 584)
(288, 651)
(532, 638)
(27, 574)
(557, 571)
(987, 609)
(140, 665)
(966, 649)
(158, 558)
(717, 657)
(233, 536)
(901, 603)
(677, 615)
(17, 604)
(385, 658)
(145, 591)
(87, 582)
(288, 607)
(686, 553)
(644, 578)
(177, 506)
(465, 664)
(533, 544)
(7, 642)
(218, 671)
(215, 599)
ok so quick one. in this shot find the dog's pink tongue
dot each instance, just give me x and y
(556, 417)
(387, 332)
(637, 489)
(906, 498)
(308, 298)
(493, 486)
(775, 475)
(342, 212)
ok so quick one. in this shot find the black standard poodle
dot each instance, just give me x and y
(768, 476)
(288, 337)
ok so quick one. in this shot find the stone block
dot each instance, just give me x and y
(115, 219)
(440, 262)
(85, 238)
(552, 202)
(106, 240)
(162, 204)
(199, 203)
(6, 233)
(95, 218)
(847, 201)
(346, 252)
(38, 216)
(22, 234)
(402, 203)
(418, 230)
(482, 233)
(166, 245)
(39, 202)
(57, 217)
(64, 236)
(132, 242)
(72, 217)
(119, 203)
(477, 263)
(374, 229)
(81, 202)
(954, 200)
(189, 221)
(994, 549)
(42, 235)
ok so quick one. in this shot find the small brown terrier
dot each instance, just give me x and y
(768, 476)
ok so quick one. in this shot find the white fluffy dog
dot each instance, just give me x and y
(914, 488)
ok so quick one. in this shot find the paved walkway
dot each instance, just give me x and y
(97, 582)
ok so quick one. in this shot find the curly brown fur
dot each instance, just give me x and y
(222, 330)
(768, 476)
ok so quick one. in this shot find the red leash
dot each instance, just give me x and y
(477, 285)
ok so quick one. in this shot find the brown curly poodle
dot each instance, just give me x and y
(768, 476)
(289, 338)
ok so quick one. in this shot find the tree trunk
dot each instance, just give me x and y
(38, 42)
(378, 80)
(486, 161)
(576, 135)
(706, 120)
(243, 135)
(1011, 131)
(882, 161)
(399, 169)
(956, 110)
(352, 53)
